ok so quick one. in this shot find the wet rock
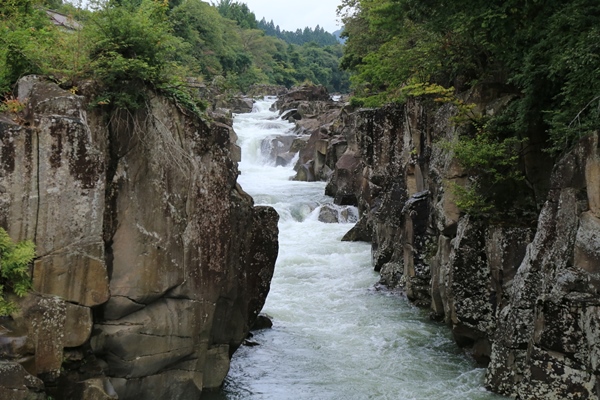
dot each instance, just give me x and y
(261, 90)
(284, 159)
(278, 146)
(263, 321)
(237, 104)
(97, 389)
(291, 115)
(217, 366)
(361, 232)
(522, 299)
(328, 215)
(303, 93)
(305, 172)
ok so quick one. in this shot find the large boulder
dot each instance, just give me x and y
(261, 90)
(18, 384)
(139, 216)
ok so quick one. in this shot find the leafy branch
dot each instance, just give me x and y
(15, 259)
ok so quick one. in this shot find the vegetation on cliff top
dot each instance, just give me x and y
(299, 36)
(545, 53)
(130, 44)
(544, 56)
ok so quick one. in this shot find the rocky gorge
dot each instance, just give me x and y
(151, 264)
(520, 295)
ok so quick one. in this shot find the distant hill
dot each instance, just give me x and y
(338, 34)
(300, 36)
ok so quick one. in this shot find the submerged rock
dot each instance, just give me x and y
(263, 321)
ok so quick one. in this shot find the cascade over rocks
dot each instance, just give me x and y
(313, 112)
(522, 300)
(152, 262)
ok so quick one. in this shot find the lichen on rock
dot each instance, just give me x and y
(138, 215)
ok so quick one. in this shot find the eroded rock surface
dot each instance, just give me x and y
(547, 342)
(140, 217)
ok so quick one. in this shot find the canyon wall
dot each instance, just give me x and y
(152, 262)
(521, 297)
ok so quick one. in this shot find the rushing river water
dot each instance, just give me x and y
(334, 336)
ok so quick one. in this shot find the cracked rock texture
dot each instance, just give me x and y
(152, 262)
(522, 299)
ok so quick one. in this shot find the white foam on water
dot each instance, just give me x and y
(335, 336)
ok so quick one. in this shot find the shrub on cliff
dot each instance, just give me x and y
(132, 47)
(26, 39)
(15, 260)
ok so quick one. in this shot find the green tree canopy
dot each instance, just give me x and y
(544, 52)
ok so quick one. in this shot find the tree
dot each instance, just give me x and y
(239, 12)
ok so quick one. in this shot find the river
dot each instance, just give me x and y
(335, 335)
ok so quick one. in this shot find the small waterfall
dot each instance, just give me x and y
(335, 336)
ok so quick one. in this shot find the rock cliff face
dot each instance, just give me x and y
(523, 300)
(548, 340)
(152, 263)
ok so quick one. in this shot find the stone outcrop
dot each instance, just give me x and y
(310, 107)
(313, 112)
(547, 341)
(17, 384)
(521, 299)
(152, 263)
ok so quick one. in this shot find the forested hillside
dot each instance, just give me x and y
(299, 36)
(126, 43)
(542, 58)
(546, 53)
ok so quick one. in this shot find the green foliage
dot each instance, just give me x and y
(210, 39)
(132, 48)
(12, 105)
(239, 12)
(493, 164)
(320, 65)
(182, 97)
(470, 199)
(26, 37)
(542, 55)
(547, 53)
(14, 269)
(299, 36)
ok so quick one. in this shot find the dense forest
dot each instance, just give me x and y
(541, 57)
(127, 43)
(547, 53)
(299, 36)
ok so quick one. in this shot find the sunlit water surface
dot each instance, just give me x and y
(334, 336)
